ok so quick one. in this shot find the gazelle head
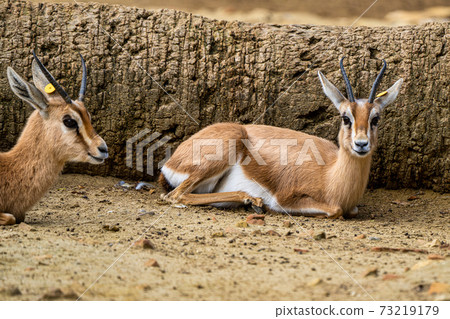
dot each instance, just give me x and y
(360, 117)
(63, 121)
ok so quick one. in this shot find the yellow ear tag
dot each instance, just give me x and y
(49, 88)
(382, 93)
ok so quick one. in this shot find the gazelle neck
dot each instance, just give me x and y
(347, 178)
(33, 165)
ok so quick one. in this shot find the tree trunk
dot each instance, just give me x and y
(166, 70)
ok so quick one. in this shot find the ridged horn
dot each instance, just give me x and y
(375, 85)
(52, 80)
(350, 96)
(83, 80)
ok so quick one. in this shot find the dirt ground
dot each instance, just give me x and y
(85, 224)
(324, 12)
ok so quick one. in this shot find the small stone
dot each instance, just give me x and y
(374, 238)
(242, 223)
(435, 257)
(413, 197)
(434, 243)
(43, 257)
(301, 250)
(320, 235)
(438, 288)
(218, 234)
(14, 291)
(362, 236)
(214, 219)
(258, 222)
(314, 282)
(25, 227)
(256, 219)
(287, 224)
(113, 228)
(256, 232)
(231, 230)
(151, 263)
(422, 264)
(53, 294)
(391, 277)
(273, 233)
(144, 244)
(372, 271)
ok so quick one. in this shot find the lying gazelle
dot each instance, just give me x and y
(329, 181)
(58, 131)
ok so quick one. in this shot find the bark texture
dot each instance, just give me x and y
(231, 71)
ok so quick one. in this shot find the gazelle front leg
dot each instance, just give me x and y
(185, 187)
(310, 207)
(225, 197)
(7, 219)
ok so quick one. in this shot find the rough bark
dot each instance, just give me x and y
(230, 71)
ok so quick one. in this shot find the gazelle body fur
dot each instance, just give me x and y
(285, 170)
(58, 131)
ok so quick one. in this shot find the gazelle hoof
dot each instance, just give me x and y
(353, 213)
(336, 214)
(7, 219)
(258, 209)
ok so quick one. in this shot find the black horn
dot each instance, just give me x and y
(52, 80)
(83, 80)
(350, 96)
(375, 85)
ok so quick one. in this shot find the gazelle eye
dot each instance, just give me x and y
(374, 121)
(346, 120)
(70, 122)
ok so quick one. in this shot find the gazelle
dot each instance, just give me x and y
(58, 131)
(282, 169)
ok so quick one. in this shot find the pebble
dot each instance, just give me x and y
(412, 197)
(242, 223)
(372, 271)
(374, 238)
(13, 291)
(362, 236)
(256, 219)
(435, 257)
(179, 206)
(314, 282)
(113, 228)
(301, 250)
(422, 264)
(144, 244)
(151, 263)
(391, 277)
(25, 227)
(434, 243)
(320, 235)
(144, 186)
(43, 257)
(218, 234)
(438, 288)
(272, 233)
(287, 224)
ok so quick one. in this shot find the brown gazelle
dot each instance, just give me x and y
(58, 131)
(282, 169)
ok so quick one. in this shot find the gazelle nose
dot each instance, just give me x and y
(361, 143)
(103, 149)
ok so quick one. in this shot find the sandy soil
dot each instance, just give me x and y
(65, 246)
(324, 12)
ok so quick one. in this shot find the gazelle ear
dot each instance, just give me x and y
(389, 96)
(331, 91)
(27, 91)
